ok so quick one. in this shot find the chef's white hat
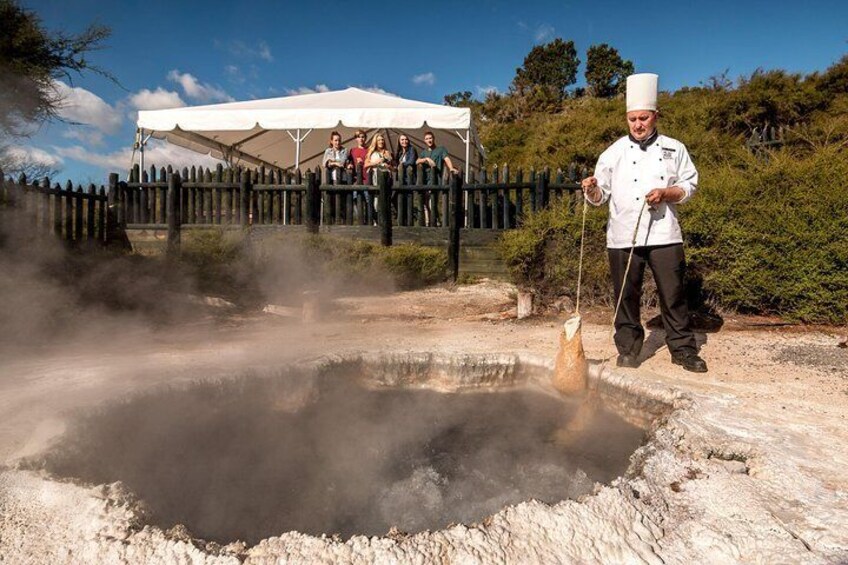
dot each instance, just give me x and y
(642, 91)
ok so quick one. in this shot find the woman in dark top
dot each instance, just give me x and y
(405, 156)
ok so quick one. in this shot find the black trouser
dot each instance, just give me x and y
(668, 266)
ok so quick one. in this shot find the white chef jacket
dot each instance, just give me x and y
(626, 174)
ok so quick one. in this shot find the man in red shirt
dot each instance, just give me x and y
(358, 155)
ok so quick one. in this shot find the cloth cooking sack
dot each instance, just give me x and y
(570, 368)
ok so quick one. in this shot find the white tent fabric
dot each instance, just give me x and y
(286, 132)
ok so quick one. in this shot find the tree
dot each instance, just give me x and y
(835, 79)
(31, 59)
(461, 99)
(606, 71)
(552, 67)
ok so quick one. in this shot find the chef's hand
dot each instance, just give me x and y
(590, 188)
(671, 194)
(655, 196)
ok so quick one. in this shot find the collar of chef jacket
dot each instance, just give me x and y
(647, 142)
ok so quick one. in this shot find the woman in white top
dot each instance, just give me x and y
(379, 157)
(335, 157)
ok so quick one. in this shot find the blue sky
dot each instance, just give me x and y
(187, 53)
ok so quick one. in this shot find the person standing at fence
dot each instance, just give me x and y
(434, 158)
(379, 157)
(645, 176)
(358, 155)
(406, 156)
(335, 158)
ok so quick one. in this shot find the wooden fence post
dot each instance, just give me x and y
(69, 212)
(244, 200)
(90, 209)
(313, 202)
(385, 212)
(173, 214)
(541, 191)
(455, 221)
(78, 198)
(112, 226)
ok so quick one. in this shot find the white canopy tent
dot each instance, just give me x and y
(293, 131)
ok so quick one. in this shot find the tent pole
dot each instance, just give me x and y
(467, 155)
(297, 151)
(141, 153)
(467, 170)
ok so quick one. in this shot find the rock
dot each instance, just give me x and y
(563, 304)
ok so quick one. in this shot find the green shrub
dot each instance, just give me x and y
(769, 237)
(291, 263)
(773, 237)
(414, 266)
(544, 253)
(219, 264)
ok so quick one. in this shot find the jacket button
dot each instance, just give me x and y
(634, 162)
(662, 178)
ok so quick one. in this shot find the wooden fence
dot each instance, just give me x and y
(75, 215)
(767, 137)
(495, 199)
(406, 202)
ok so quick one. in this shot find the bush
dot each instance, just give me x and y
(219, 263)
(544, 253)
(770, 237)
(290, 264)
(414, 266)
(773, 237)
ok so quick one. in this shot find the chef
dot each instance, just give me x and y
(645, 176)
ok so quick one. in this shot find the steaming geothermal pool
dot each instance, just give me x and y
(252, 457)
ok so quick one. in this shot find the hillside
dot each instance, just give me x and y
(768, 230)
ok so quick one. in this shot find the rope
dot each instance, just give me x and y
(580, 263)
(627, 268)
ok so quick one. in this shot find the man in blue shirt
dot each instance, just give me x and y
(434, 159)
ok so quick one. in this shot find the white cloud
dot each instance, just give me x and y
(424, 78)
(146, 99)
(324, 88)
(159, 153)
(243, 51)
(234, 74)
(83, 106)
(376, 90)
(486, 90)
(543, 33)
(307, 90)
(85, 134)
(264, 52)
(116, 160)
(31, 156)
(194, 89)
